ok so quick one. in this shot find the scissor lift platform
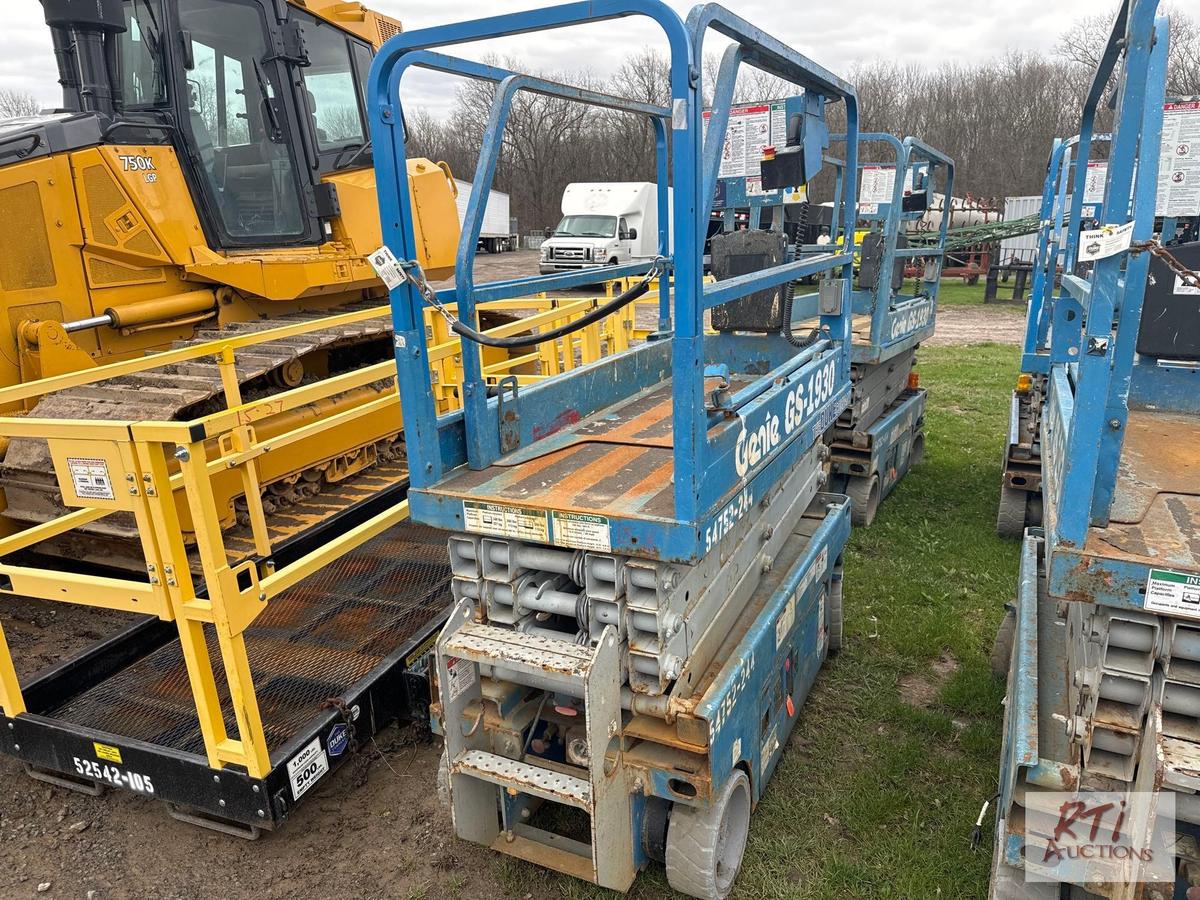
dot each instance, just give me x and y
(1155, 514)
(616, 462)
(335, 658)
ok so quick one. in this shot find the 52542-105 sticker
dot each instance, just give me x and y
(96, 770)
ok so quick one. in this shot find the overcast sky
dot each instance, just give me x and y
(835, 34)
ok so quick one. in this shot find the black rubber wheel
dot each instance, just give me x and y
(1010, 516)
(916, 455)
(1033, 510)
(1002, 647)
(836, 613)
(864, 500)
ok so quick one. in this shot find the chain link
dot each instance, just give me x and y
(1154, 248)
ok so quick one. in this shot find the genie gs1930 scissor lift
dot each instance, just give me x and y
(880, 435)
(647, 571)
(1071, 196)
(1104, 681)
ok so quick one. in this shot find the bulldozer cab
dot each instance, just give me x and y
(261, 100)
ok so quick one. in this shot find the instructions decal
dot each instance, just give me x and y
(1105, 242)
(506, 521)
(90, 478)
(307, 767)
(1175, 593)
(876, 185)
(750, 129)
(461, 676)
(1179, 164)
(387, 267)
(787, 618)
(770, 745)
(580, 531)
(1093, 190)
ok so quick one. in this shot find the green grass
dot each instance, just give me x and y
(876, 796)
(956, 292)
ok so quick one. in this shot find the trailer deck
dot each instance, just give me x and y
(335, 659)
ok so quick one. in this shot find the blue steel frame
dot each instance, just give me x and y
(1056, 247)
(901, 321)
(436, 446)
(1096, 374)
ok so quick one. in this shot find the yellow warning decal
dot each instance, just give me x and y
(104, 751)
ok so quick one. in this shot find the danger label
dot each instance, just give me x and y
(90, 478)
(461, 676)
(1175, 593)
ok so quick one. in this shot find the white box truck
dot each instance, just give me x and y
(497, 233)
(603, 224)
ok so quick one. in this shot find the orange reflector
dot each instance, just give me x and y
(566, 710)
(914, 380)
(791, 707)
(1024, 383)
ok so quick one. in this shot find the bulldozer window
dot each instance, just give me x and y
(237, 122)
(142, 82)
(334, 95)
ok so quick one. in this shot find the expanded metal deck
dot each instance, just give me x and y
(310, 645)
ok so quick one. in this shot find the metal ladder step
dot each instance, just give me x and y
(545, 784)
(515, 651)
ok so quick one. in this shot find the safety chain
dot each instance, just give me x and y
(1186, 275)
(338, 704)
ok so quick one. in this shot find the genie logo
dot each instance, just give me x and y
(800, 405)
(912, 319)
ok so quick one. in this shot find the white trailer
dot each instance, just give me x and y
(497, 233)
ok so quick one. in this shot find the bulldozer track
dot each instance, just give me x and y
(193, 389)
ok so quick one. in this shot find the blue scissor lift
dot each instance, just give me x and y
(1104, 677)
(647, 570)
(1064, 213)
(880, 436)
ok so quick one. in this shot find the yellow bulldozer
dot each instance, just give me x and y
(209, 174)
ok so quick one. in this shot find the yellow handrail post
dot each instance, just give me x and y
(230, 613)
(12, 701)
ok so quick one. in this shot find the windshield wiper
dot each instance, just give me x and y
(265, 91)
(360, 150)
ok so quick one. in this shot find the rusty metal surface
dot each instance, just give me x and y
(1155, 515)
(860, 329)
(615, 462)
(309, 645)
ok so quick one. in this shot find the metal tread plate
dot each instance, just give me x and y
(511, 773)
(308, 647)
(528, 652)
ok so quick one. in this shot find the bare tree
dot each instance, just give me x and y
(15, 104)
(1084, 42)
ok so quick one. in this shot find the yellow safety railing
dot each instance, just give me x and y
(166, 473)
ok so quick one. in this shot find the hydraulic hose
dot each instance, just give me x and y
(530, 340)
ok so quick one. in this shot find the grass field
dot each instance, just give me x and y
(956, 292)
(899, 742)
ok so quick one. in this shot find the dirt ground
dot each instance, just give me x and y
(372, 829)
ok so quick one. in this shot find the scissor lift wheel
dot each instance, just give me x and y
(1002, 647)
(835, 613)
(705, 845)
(864, 499)
(1010, 517)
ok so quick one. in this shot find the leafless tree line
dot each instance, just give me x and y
(997, 119)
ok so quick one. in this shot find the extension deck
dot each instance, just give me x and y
(334, 659)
